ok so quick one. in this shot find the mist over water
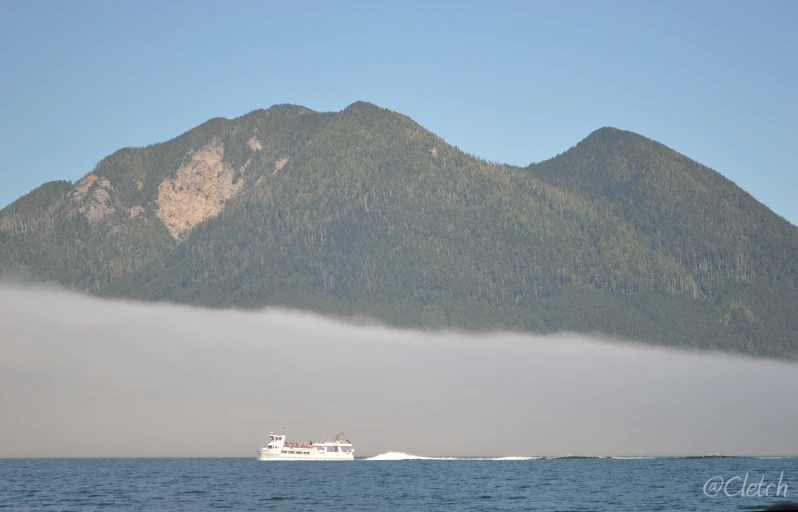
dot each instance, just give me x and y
(81, 376)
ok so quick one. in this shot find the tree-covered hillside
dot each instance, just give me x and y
(364, 212)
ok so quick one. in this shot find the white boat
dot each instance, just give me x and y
(279, 449)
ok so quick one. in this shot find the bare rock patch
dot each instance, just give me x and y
(254, 144)
(135, 212)
(280, 163)
(92, 195)
(198, 191)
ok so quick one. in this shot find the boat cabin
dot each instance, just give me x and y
(276, 441)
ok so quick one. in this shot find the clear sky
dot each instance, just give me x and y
(515, 82)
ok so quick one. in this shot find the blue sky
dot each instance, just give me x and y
(515, 82)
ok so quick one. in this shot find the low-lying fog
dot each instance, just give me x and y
(81, 376)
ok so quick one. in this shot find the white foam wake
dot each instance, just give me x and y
(407, 456)
(403, 456)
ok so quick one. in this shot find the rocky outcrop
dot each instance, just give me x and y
(198, 191)
(254, 144)
(92, 195)
(134, 212)
(82, 188)
(280, 163)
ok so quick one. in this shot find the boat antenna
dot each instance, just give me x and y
(285, 427)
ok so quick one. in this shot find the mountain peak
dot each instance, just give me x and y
(612, 135)
(362, 105)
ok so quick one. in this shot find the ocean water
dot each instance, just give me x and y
(427, 484)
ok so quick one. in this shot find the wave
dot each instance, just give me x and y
(710, 456)
(552, 457)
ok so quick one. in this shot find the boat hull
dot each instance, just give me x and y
(314, 457)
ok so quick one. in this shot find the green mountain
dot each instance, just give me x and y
(364, 212)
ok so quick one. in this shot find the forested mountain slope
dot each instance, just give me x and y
(364, 212)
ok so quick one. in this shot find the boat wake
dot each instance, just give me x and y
(407, 456)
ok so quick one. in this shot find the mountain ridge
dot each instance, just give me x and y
(366, 212)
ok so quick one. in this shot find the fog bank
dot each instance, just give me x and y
(81, 376)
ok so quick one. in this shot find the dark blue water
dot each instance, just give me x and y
(430, 485)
